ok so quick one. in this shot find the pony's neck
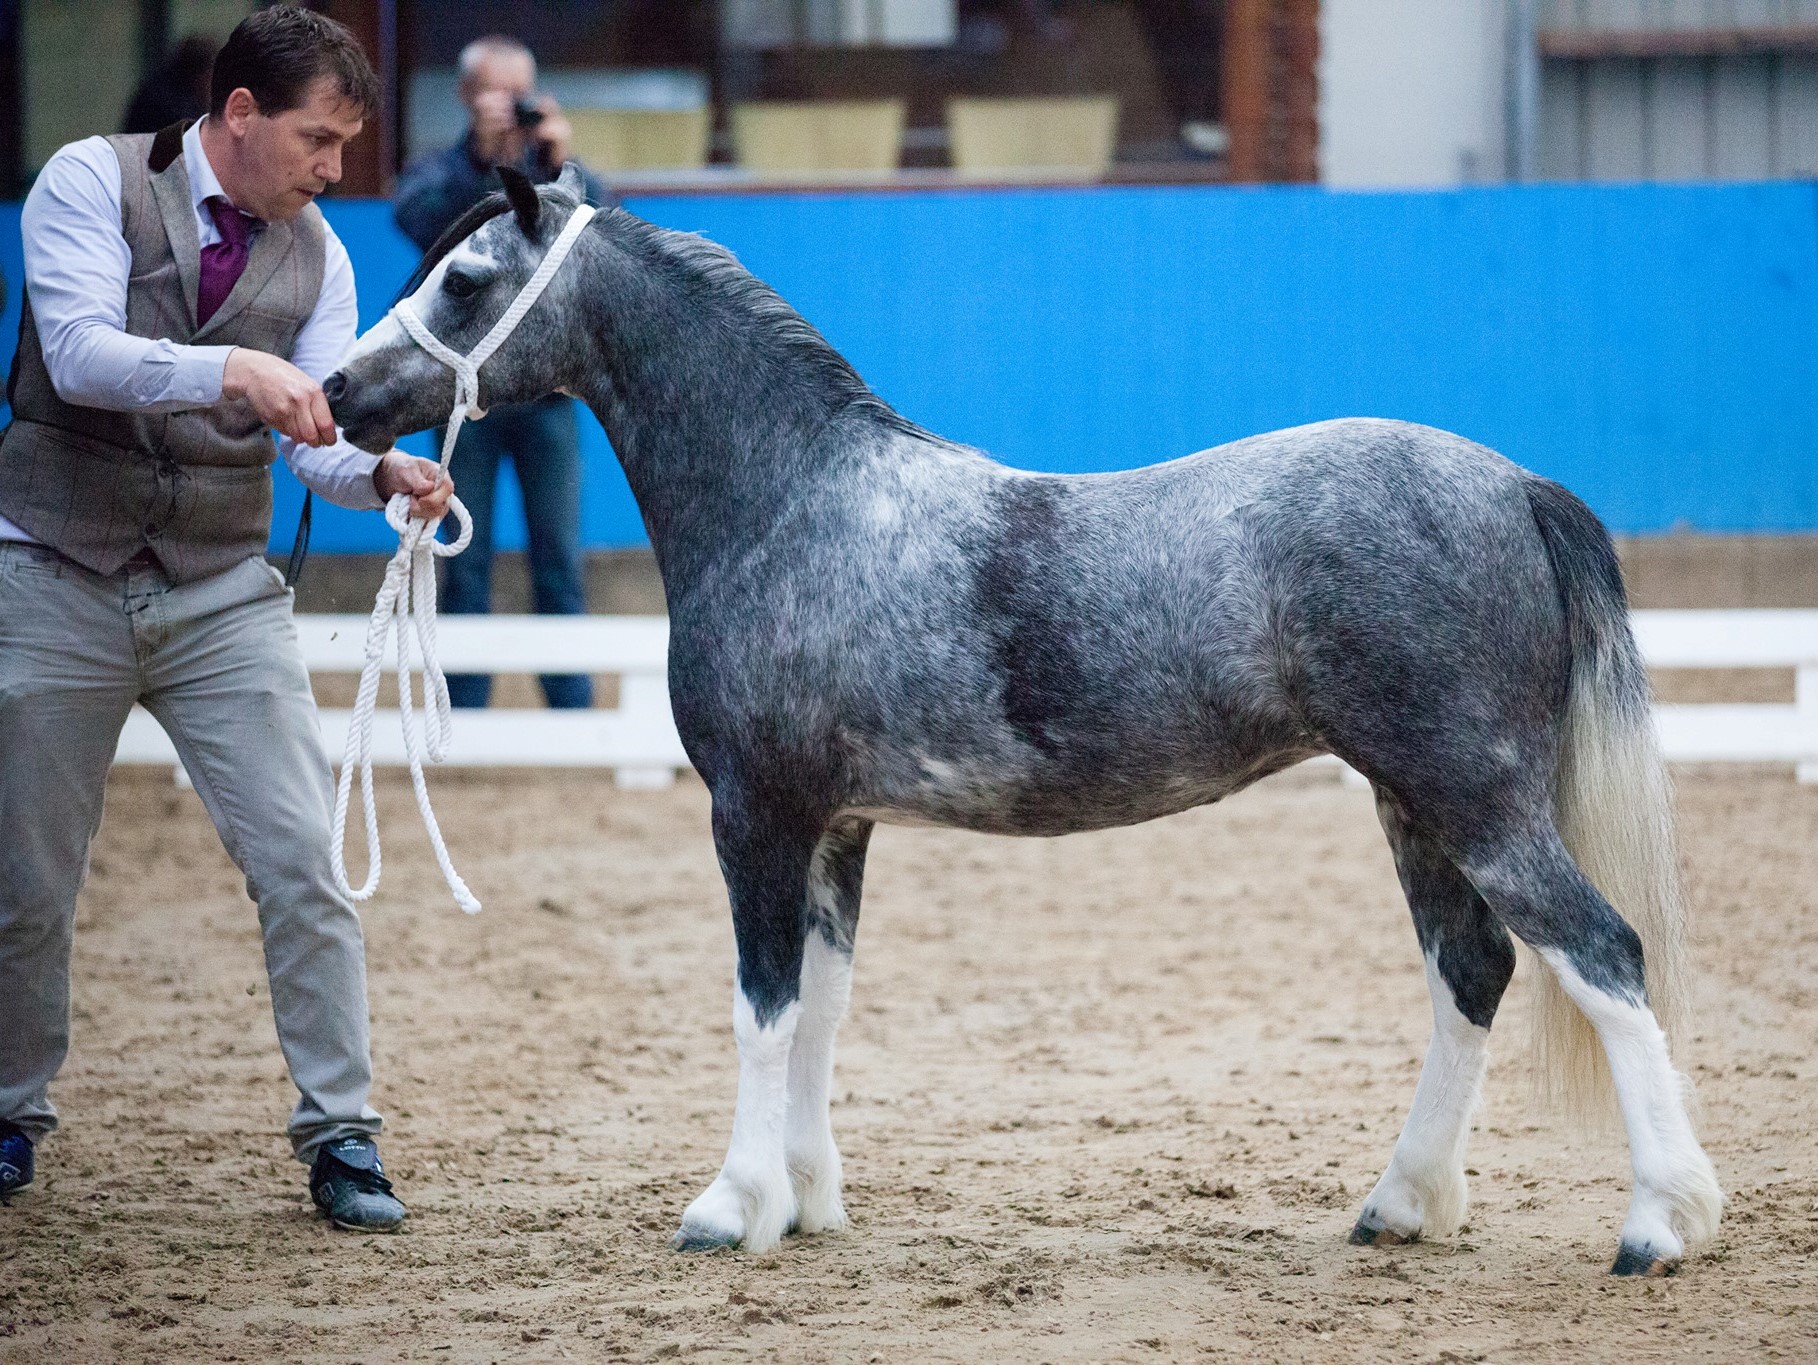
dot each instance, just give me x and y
(718, 429)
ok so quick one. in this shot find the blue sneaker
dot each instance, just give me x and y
(348, 1184)
(15, 1160)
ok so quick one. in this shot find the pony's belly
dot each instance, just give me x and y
(997, 786)
(1045, 809)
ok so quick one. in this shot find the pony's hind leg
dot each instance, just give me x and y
(1469, 961)
(834, 885)
(766, 866)
(1535, 888)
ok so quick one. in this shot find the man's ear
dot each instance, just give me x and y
(523, 197)
(572, 180)
(240, 107)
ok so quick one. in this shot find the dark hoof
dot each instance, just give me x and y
(1641, 1261)
(701, 1239)
(1368, 1234)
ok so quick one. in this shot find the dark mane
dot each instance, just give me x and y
(689, 256)
(458, 231)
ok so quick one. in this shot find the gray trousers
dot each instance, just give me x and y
(217, 663)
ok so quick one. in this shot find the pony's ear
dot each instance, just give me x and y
(572, 180)
(523, 197)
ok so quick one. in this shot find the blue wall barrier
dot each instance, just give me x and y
(1651, 346)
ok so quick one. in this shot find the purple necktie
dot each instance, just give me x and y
(223, 261)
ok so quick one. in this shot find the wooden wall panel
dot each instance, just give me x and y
(1727, 117)
(1616, 121)
(1680, 133)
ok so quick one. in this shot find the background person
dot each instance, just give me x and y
(183, 298)
(177, 90)
(510, 124)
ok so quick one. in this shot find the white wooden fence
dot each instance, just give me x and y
(1722, 732)
(638, 740)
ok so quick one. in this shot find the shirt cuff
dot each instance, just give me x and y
(200, 374)
(342, 472)
(363, 464)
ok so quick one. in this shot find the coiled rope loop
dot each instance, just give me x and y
(409, 593)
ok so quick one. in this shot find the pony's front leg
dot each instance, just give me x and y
(834, 885)
(751, 1202)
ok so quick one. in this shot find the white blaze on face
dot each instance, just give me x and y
(388, 331)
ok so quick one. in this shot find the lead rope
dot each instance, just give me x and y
(409, 593)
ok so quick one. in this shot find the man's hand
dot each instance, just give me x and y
(428, 485)
(287, 400)
(496, 136)
(554, 135)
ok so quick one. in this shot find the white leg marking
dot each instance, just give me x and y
(1676, 1201)
(1423, 1192)
(750, 1201)
(814, 1160)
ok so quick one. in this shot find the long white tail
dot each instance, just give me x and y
(1613, 803)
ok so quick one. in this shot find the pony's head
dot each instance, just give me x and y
(389, 385)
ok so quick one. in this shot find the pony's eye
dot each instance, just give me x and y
(460, 286)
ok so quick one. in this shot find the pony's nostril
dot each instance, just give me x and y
(334, 387)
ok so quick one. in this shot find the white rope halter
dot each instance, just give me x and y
(409, 592)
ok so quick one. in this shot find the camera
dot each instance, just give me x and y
(526, 111)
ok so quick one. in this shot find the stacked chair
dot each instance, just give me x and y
(610, 140)
(818, 137)
(1033, 139)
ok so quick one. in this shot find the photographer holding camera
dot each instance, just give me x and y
(510, 124)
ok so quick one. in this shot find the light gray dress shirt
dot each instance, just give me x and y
(77, 265)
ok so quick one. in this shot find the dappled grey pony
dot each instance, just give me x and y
(869, 623)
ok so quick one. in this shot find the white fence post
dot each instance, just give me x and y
(1805, 703)
(644, 704)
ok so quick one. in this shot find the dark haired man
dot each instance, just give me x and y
(183, 299)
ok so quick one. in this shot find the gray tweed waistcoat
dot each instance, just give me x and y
(195, 486)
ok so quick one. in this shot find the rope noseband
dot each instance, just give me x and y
(409, 592)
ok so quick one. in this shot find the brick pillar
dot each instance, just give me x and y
(1272, 89)
(370, 162)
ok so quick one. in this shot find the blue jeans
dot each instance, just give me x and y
(544, 446)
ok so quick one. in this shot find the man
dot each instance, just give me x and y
(183, 299)
(509, 125)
